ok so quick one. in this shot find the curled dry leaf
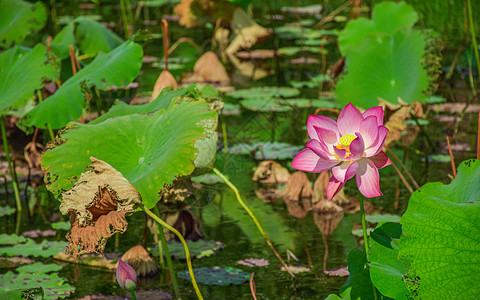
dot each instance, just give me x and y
(253, 262)
(298, 187)
(32, 155)
(165, 79)
(97, 203)
(141, 261)
(185, 221)
(397, 129)
(246, 32)
(209, 69)
(320, 191)
(271, 172)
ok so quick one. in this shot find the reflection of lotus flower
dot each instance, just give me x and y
(126, 275)
(351, 146)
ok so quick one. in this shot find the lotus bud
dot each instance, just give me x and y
(126, 276)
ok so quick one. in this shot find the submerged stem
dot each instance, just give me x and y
(162, 244)
(10, 166)
(182, 240)
(252, 216)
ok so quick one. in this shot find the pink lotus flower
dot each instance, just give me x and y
(126, 275)
(350, 146)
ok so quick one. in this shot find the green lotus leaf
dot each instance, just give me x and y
(61, 226)
(198, 249)
(217, 276)
(265, 105)
(440, 236)
(379, 218)
(262, 151)
(385, 67)
(87, 35)
(6, 210)
(19, 19)
(54, 286)
(386, 270)
(150, 150)
(358, 285)
(22, 74)
(30, 248)
(11, 239)
(118, 68)
(39, 267)
(30, 293)
(264, 92)
(387, 17)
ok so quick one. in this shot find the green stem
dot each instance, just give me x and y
(132, 292)
(40, 99)
(254, 219)
(182, 240)
(10, 166)
(225, 135)
(472, 31)
(365, 237)
(162, 244)
(123, 8)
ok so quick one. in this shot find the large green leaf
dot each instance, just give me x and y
(358, 286)
(386, 270)
(116, 68)
(387, 18)
(21, 75)
(385, 67)
(19, 19)
(441, 236)
(150, 150)
(87, 35)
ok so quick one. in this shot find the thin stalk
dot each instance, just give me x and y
(10, 166)
(123, 9)
(472, 31)
(166, 252)
(182, 240)
(132, 292)
(452, 161)
(405, 182)
(403, 167)
(225, 134)
(252, 216)
(165, 42)
(365, 237)
(478, 137)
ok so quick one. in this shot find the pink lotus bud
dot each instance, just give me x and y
(126, 275)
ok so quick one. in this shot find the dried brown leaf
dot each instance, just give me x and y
(141, 261)
(165, 79)
(97, 203)
(246, 32)
(271, 172)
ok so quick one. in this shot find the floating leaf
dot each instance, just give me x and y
(54, 286)
(39, 267)
(264, 92)
(265, 105)
(30, 248)
(30, 293)
(149, 150)
(6, 211)
(262, 151)
(61, 225)
(440, 236)
(385, 67)
(294, 50)
(22, 74)
(253, 262)
(19, 19)
(386, 270)
(379, 218)
(87, 35)
(103, 72)
(13, 262)
(296, 269)
(217, 276)
(11, 239)
(198, 249)
(387, 17)
(38, 233)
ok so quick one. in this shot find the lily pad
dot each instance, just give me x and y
(149, 150)
(379, 218)
(22, 74)
(6, 211)
(294, 50)
(217, 276)
(39, 267)
(54, 286)
(30, 294)
(69, 100)
(440, 236)
(263, 151)
(19, 19)
(30, 248)
(264, 92)
(11, 239)
(13, 262)
(198, 249)
(61, 226)
(265, 105)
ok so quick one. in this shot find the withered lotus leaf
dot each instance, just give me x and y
(97, 203)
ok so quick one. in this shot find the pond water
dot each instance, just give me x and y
(221, 216)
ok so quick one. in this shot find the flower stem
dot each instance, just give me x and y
(252, 216)
(163, 244)
(365, 237)
(10, 166)
(132, 291)
(182, 240)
